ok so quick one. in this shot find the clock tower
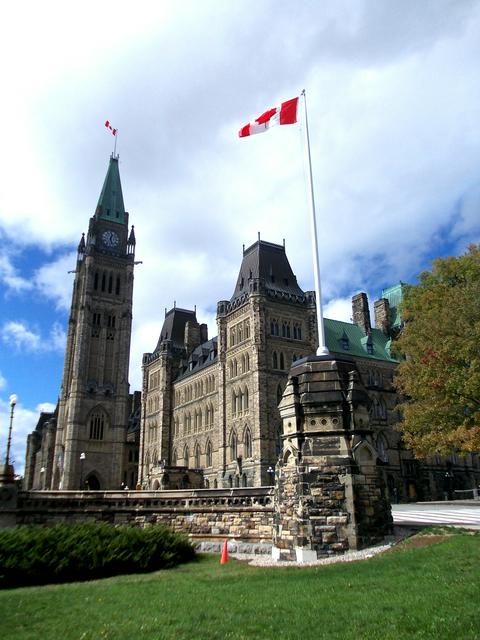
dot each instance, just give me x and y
(94, 399)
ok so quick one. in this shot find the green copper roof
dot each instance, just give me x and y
(110, 204)
(394, 295)
(343, 337)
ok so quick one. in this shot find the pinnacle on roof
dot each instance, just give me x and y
(110, 203)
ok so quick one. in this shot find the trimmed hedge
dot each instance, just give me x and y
(66, 553)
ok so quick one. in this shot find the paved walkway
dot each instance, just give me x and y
(465, 513)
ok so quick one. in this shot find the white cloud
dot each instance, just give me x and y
(10, 277)
(54, 280)
(23, 338)
(45, 407)
(3, 382)
(339, 309)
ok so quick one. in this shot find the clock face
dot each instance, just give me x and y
(110, 238)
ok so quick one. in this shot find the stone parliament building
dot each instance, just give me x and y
(208, 412)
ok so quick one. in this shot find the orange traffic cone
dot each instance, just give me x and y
(224, 557)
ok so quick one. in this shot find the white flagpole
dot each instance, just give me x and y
(322, 347)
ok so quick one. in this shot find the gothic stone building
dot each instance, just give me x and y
(208, 412)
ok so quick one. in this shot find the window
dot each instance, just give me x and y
(208, 454)
(197, 456)
(186, 456)
(174, 458)
(247, 443)
(97, 424)
(282, 362)
(297, 331)
(382, 447)
(275, 360)
(233, 446)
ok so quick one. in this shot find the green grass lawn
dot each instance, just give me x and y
(411, 592)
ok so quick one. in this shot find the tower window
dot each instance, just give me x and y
(110, 283)
(97, 424)
(117, 288)
(103, 282)
(95, 281)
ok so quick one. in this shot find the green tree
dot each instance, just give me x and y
(440, 377)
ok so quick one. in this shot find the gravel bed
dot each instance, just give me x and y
(350, 556)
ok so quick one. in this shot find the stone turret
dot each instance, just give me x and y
(329, 496)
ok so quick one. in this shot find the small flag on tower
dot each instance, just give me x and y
(285, 113)
(109, 126)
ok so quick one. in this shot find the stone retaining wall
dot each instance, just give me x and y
(244, 514)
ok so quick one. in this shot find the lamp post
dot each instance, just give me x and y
(271, 473)
(13, 402)
(82, 462)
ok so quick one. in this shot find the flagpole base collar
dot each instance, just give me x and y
(323, 351)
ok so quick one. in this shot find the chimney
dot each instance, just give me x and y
(203, 333)
(382, 315)
(191, 336)
(361, 312)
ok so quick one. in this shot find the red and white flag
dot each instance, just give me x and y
(285, 113)
(109, 126)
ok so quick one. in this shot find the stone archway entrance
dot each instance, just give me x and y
(92, 483)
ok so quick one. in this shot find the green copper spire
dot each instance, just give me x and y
(110, 204)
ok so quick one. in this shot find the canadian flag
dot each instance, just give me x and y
(109, 126)
(286, 113)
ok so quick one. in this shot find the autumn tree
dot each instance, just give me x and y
(440, 376)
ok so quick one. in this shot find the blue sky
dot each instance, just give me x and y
(393, 95)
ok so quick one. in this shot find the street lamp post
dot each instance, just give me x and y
(13, 402)
(271, 473)
(42, 478)
(82, 462)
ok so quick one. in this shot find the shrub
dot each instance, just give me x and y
(66, 553)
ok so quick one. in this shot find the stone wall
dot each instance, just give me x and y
(207, 514)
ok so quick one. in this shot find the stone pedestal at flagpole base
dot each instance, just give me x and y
(329, 494)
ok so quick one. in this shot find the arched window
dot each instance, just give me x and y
(174, 458)
(279, 393)
(95, 281)
(235, 367)
(117, 287)
(97, 424)
(382, 447)
(186, 455)
(247, 443)
(247, 362)
(234, 402)
(233, 446)
(197, 456)
(245, 399)
(282, 362)
(110, 283)
(103, 281)
(247, 329)
(208, 454)
(275, 360)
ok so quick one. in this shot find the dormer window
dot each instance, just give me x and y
(345, 342)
